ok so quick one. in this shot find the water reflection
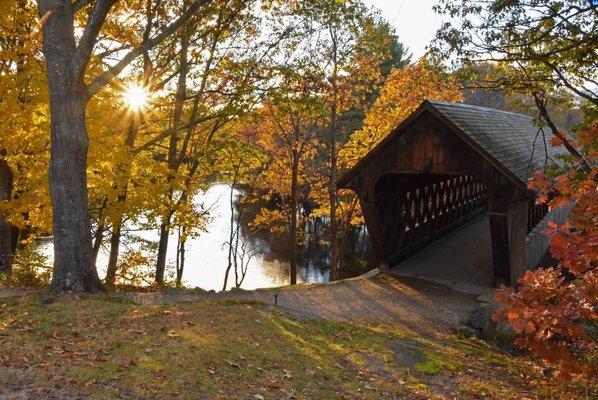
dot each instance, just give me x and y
(207, 255)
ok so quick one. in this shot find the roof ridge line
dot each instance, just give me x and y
(475, 107)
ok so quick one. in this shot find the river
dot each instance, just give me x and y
(207, 255)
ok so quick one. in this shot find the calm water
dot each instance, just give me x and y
(207, 255)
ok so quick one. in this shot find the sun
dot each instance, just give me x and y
(135, 97)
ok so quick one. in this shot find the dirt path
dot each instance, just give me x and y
(416, 305)
(13, 292)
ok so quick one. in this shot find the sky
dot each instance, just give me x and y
(414, 20)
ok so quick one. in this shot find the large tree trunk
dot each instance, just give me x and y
(6, 230)
(73, 266)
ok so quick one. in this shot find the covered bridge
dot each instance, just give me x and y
(449, 165)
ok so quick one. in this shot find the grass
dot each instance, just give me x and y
(100, 347)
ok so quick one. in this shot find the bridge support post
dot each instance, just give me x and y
(518, 233)
(499, 232)
(500, 197)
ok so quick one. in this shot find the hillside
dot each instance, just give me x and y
(102, 347)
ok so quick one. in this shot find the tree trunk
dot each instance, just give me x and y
(180, 261)
(122, 197)
(14, 240)
(73, 265)
(343, 231)
(293, 218)
(114, 251)
(98, 238)
(162, 250)
(333, 204)
(125, 167)
(6, 229)
(231, 233)
(332, 194)
(173, 159)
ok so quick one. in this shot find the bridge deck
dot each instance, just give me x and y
(462, 259)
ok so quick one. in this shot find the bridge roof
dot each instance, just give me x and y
(512, 142)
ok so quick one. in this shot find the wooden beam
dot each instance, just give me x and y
(500, 197)
(518, 225)
(501, 252)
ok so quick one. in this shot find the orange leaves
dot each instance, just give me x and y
(562, 184)
(541, 185)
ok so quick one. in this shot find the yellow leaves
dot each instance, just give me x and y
(6, 8)
(24, 119)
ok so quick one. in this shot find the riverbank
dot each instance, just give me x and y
(106, 347)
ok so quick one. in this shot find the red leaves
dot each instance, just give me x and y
(552, 307)
(556, 141)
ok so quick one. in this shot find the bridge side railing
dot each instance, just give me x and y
(431, 211)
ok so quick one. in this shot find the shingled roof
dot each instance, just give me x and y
(511, 142)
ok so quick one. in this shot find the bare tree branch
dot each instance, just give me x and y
(541, 104)
(590, 97)
(96, 19)
(79, 4)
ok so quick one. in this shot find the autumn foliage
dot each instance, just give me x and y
(554, 310)
(403, 91)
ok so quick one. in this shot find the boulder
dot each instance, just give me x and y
(481, 319)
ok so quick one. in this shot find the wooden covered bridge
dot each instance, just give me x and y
(449, 165)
